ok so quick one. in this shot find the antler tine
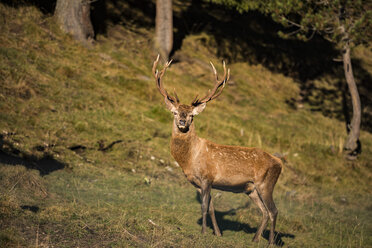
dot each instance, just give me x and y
(218, 87)
(214, 70)
(224, 72)
(158, 75)
(154, 70)
(175, 94)
(195, 99)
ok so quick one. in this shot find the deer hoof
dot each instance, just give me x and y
(256, 239)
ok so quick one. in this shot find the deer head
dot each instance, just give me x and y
(183, 114)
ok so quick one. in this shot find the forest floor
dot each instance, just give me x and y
(84, 140)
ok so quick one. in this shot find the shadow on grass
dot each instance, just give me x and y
(236, 226)
(13, 156)
(33, 209)
(44, 165)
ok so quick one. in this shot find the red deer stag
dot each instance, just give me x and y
(207, 165)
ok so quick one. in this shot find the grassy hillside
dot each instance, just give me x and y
(85, 137)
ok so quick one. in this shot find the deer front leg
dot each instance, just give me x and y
(212, 215)
(205, 197)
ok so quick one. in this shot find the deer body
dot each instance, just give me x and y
(207, 165)
(228, 168)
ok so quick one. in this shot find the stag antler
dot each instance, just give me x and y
(158, 75)
(218, 86)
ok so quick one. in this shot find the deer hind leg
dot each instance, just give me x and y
(265, 216)
(273, 212)
(265, 192)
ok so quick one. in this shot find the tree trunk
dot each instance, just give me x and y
(352, 144)
(74, 17)
(164, 28)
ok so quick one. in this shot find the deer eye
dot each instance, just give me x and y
(175, 113)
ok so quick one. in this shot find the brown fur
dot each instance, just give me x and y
(230, 168)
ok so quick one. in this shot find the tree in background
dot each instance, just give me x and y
(345, 23)
(164, 28)
(74, 17)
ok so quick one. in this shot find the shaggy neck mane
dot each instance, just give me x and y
(182, 143)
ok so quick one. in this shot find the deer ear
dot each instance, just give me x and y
(170, 105)
(198, 109)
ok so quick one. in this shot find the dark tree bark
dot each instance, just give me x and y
(352, 141)
(164, 28)
(74, 17)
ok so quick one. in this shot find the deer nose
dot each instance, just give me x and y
(182, 122)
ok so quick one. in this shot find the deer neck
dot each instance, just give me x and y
(182, 144)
